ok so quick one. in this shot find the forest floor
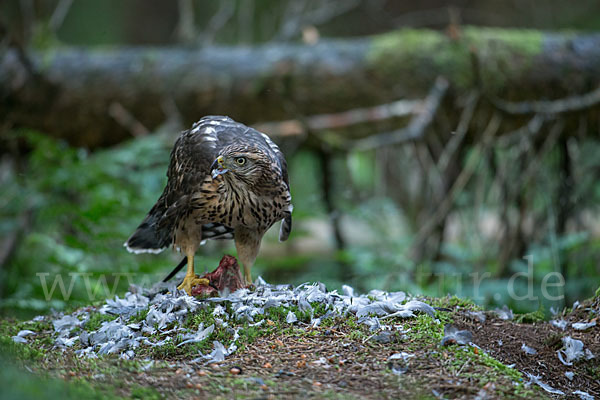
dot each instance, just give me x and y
(339, 358)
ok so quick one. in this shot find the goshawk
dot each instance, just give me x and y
(225, 181)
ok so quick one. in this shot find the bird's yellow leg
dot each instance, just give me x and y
(247, 274)
(191, 279)
(247, 244)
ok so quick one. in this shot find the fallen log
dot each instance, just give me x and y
(70, 92)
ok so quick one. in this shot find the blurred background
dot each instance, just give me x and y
(430, 145)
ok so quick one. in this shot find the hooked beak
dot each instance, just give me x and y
(218, 167)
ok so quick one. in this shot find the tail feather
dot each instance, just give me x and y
(148, 238)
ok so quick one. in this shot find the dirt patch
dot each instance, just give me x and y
(504, 341)
(333, 360)
(327, 359)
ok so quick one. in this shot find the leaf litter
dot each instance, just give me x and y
(559, 356)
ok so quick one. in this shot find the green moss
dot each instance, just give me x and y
(452, 302)
(140, 316)
(202, 316)
(18, 384)
(145, 392)
(422, 53)
(404, 52)
(531, 317)
(425, 330)
(278, 314)
(525, 42)
(20, 351)
(96, 319)
(592, 369)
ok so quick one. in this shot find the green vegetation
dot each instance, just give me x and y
(83, 206)
(96, 319)
(109, 377)
(17, 384)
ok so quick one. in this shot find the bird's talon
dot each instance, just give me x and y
(191, 281)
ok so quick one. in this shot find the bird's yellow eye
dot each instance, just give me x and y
(240, 160)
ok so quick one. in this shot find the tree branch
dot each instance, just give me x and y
(416, 127)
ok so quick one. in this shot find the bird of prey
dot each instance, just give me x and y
(225, 181)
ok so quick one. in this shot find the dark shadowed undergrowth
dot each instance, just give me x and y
(71, 210)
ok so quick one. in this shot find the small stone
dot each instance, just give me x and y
(283, 372)
(384, 337)
(255, 380)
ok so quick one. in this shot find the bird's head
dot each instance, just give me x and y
(242, 164)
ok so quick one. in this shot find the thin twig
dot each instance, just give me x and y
(417, 126)
(59, 14)
(186, 29)
(531, 128)
(548, 144)
(572, 103)
(27, 8)
(460, 181)
(223, 14)
(329, 10)
(342, 119)
(297, 15)
(245, 33)
(292, 19)
(174, 119)
(398, 108)
(127, 120)
(460, 133)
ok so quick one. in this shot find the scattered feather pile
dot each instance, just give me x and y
(155, 318)
(535, 379)
(504, 313)
(573, 351)
(452, 335)
(398, 362)
(528, 350)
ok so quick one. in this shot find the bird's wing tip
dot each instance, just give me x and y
(137, 250)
